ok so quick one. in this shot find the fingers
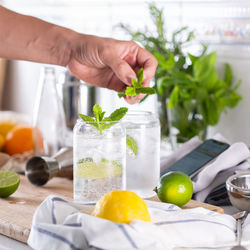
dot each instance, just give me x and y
(148, 62)
(120, 67)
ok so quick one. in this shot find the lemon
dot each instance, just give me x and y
(122, 206)
(9, 182)
(175, 187)
(2, 140)
(6, 127)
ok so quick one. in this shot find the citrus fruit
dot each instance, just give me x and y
(9, 182)
(121, 206)
(92, 171)
(2, 140)
(20, 140)
(5, 127)
(175, 187)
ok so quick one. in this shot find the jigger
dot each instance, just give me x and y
(40, 169)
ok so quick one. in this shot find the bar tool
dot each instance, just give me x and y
(238, 188)
(39, 170)
(240, 217)
(77, 97)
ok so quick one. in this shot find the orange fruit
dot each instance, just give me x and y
(19, 140)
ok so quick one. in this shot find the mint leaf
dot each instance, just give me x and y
(140, 76)
(137, 87)
(100, 122)
(118, 114)
(97, 110)
(130, 91)
(86, 118)
(148, 91)
(121, 94)
(107, 124)
(131, 143)
(89, 120)
(133, 82)
(101, 116)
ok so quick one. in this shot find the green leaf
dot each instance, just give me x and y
(101, 116)
(228, 74)
(140, 76)
(97, 110)
(134, 82)
(173, 99)
(148, 91)
(193, 58)
(121, 94)
(118, 114)
(86, 118)
(130, 91)
(204, 65)
(89, 120)
(107, 124)
(101, 123)
(131, 143)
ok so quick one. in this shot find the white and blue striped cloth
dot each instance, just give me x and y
(58, 224)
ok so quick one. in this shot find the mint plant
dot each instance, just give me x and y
(100, 122)
(188, 86)
(137, 87)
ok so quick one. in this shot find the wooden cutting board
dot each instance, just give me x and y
(16, 211)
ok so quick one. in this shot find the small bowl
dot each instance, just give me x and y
(238, 189)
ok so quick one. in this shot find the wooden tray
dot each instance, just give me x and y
(16, 211)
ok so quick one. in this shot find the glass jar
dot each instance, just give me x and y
(99, 160)
(143, 162)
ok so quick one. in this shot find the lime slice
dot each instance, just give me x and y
(91, 170)
(9, 182)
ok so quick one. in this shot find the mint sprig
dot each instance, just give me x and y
(100, 122)
(137, 87)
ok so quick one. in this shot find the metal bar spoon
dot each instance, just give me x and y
(240, 218)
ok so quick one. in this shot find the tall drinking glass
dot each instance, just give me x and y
(143, 163)
(99, 160)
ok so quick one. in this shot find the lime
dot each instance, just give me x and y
(175, 187)
(91, 170)
(9, 182)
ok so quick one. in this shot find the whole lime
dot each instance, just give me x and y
(175, 187)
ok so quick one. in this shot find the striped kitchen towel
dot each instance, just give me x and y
(59, 224)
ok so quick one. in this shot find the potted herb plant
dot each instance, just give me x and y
(192, 96)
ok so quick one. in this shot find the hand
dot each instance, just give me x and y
(109, 63)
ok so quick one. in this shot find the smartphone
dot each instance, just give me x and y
(192, 163)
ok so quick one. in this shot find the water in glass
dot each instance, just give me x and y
(143, 169)
(99, 161)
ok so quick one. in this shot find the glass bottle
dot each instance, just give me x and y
(48, 116)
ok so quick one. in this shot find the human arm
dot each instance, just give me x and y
(102, 62)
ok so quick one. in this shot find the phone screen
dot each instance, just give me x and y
(191, 163)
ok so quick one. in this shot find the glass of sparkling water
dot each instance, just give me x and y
(143, 162)
(99, 161)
